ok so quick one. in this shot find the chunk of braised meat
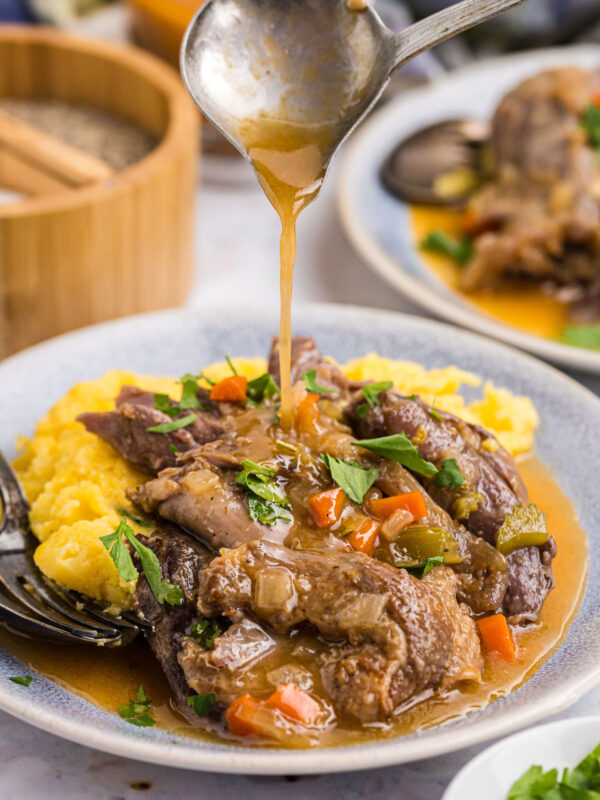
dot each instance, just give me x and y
(305, 357)
(392, 636)
(126, 429)
(539, 218)
(181, 560)
(206, 501)
(492, 488)
(482, 575)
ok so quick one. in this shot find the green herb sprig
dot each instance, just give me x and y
(371, 394)
(580, 783)
(136, 712)
(459, 250)
(202, 703)
(310, 381)
(350, 476)
(267, 501)
(22, 680)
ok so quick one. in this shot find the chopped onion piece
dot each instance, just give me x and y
(395, 524)
(274, 589)
(365, 611)
(200, 481)
(291, 673)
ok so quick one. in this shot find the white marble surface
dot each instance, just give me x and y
(237, 258)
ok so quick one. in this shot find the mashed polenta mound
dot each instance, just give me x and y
(76, 483)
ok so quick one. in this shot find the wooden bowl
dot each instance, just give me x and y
(115, 247)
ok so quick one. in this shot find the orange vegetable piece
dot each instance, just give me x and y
(307, 414)
(326, 507)
(294, 703)
(364, 538)
(414, 502)
(596, 99)
(497, 636)
(230, 390)
(240, 716)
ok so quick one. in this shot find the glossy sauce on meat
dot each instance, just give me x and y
(110, 677)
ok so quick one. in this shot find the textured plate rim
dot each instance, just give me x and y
(392, 271)
(327, 760)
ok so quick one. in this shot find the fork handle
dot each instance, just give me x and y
(444, 24)
(14, 523)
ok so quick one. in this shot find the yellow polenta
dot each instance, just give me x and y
(76, 483)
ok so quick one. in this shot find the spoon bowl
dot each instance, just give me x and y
(315, 64)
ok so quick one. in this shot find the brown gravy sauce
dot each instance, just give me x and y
(520, 305)
(108, 678)
(290, 160)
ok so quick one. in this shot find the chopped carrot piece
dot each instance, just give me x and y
(414, 502)
(294, 703)
(230, 390)
(307, 414)
(596, 99)
(497, 636)
(364, 538)
(326, 507)
(240, 716)
(470, 223)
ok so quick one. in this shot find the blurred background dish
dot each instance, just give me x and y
(387, 232)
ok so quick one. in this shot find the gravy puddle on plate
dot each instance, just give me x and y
(108, 678)
(524, 307)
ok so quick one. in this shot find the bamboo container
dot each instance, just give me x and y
(117, 243)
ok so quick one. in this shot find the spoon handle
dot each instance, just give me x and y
(444, 24)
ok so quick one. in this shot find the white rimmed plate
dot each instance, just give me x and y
(176, 342)
(378, 224)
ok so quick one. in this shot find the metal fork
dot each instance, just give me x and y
(35, 605)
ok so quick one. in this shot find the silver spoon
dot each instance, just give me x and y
(310, 62)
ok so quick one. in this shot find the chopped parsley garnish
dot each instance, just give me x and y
(371, 394)
(189, 393)
(230, 365)
(267, 501)
(202, 703)
(262, 388)
(580, 783)
(582, 336)
(162, 403)
(351, 477)
(449, 475)
(420, 570)
(412, 397)
(22, 680)
(173, 449)
(169, 427)
(203, 377)
(163, 591)
(310, 381)
(136, 711)
(435, 414)
(141, 521)
(205, 631)
(459, 250)
(398, 447)
(591, 125)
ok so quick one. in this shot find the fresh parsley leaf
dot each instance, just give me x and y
(412, 397)
(310, 381)
(205, 631)
(351, 477)
(420, 570)
(169, 427)
(119, 551)
(591, 124)
(141, 521)
(459, 250)
(534, 785)
(173, 449)
(587, 336)
(371, 393)
(22, 680)
(435, 414)
(261, 481)
(203, 377)
(136, 711)
(262, 388)
(586, 775)
(202, 703)
(449, 475)
(398, 447)
(163, 591)
(266, 513)
(162, 403)
(189, 393)
(230, 364)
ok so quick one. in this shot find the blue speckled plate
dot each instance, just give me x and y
(378, 224)
(172, 343)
